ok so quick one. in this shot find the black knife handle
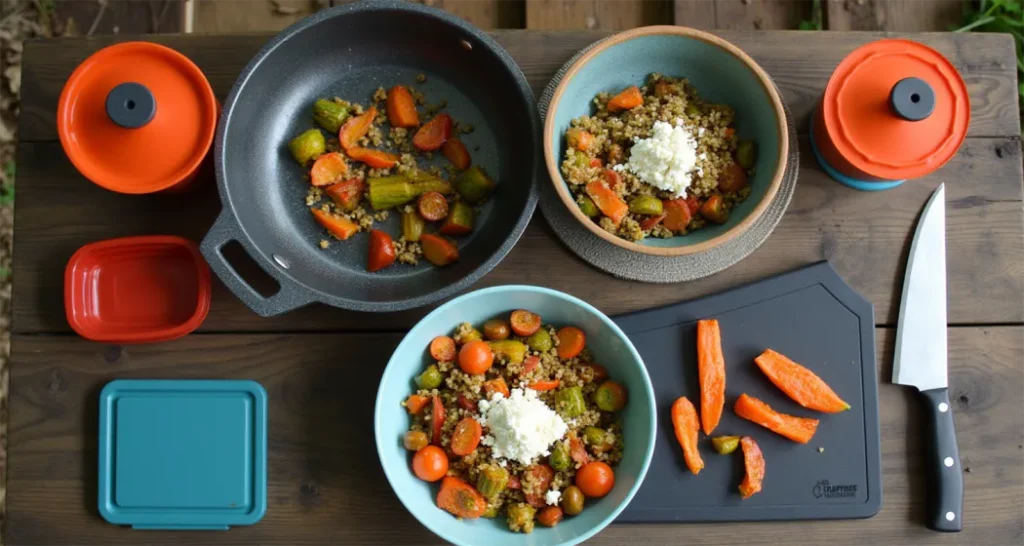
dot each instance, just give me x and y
(946, 479)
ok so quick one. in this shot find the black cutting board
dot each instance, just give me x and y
(810, 315)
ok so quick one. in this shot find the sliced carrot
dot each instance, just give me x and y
(687, 427)
(436, 420)
(433, 134)
(799, 383)
(579, 138)
(753, 461)
(677, 214)
(466, 436)
(732, 178)
(456, 153)
(460, 499)
(710, 373)
(713, 210)
(442, 349)
(628, 99)
(609, 203)
(402, 108)
(524, 323)
(545, 385)
(571, 341)
(415, 403)
(356, 128)
(798, 429)
(373, 158)
(495, 386)
(438, 250)
(328, 169)
(339, 226)
(577, 451)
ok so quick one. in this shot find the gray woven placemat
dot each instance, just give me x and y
(635, 266)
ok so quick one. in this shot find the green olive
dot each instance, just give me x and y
(647, 205)
(540, 341)
(746, 153)
(572, 500)
(430, 378)
(415, 440)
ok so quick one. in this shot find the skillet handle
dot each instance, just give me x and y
(291, 295)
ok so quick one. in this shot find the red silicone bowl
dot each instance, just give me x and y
(137, 289)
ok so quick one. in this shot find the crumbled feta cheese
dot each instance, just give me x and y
(667, 159)
(700, 131)
(552, 497)
(520, 427)
(619, 167)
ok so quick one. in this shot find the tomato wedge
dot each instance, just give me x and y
(437, 420)
(347, 194)
(466, 436)
(538, 480)
(402, 108)
(577, 451)
(374, 158)
(339, 226)
(466, 403)
(524, 323)
(455, 152)
(460, 499)
(628, 99)
(356, 128)
(433, 134)
(382, 251)
(328, 169)
(494, 386)
(530, 364)
(610, 204)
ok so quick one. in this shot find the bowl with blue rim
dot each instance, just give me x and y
(720, 72)
(608, 345)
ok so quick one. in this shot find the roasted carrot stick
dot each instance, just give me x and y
(627, 99)
(687, 426)
(799, 383)
(610, 204)
(798, 429)
(460, 499)
(711, 373)
(753, 461)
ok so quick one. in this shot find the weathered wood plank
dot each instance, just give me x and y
(893, 15)
(324, 482)
(865, 237)
(761, 14)
(119, 16)
(694, 13)
(237, 16)
(596, 14)
(486, 14)
(986, 62)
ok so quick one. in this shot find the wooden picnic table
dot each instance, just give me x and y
(321, 365)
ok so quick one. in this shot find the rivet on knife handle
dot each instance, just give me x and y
(946, 479)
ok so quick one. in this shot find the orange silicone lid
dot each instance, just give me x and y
(164, 152)
(865, 130)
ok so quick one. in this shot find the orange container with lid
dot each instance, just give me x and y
(893, 110)
(137, 117)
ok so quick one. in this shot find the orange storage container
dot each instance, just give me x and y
(893, 110)
(137, 117)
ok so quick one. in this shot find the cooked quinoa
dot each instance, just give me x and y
(603, 155)
(568, 385)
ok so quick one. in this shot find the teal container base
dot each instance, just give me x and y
(857, 184)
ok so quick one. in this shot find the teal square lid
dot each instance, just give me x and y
(183, 454)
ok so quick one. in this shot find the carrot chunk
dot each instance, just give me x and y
(610, 204)
(711, 371)
(628, 99)
(687, 426)
(799, 383)
(753, 461)
(798, 429)
(460, 499)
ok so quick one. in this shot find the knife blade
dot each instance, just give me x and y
(920, 361)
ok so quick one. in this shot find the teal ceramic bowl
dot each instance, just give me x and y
(610, 347)
(721, 73)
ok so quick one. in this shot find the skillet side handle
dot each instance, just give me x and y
(291, 295)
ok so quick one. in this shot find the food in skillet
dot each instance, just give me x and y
(363, 172)
(514, 420)
(657, 161)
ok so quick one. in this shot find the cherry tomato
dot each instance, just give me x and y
(733, 178)
(570, 342)
(540, 477)
(430, 464)
(328, 169)
(382, 251)
(496, 329)
(476, 357)
(524, 323)
(677, 215)
(442, 349)
(550, 516)
(595, 479)
(433, 206)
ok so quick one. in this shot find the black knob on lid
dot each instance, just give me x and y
(912, 99)
(131, 105)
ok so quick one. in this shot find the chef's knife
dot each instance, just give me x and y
(920, 361)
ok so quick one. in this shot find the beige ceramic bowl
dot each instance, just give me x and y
(720, 71)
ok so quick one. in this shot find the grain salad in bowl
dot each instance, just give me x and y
(657, 161)
(515, 421)
(545, 410)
